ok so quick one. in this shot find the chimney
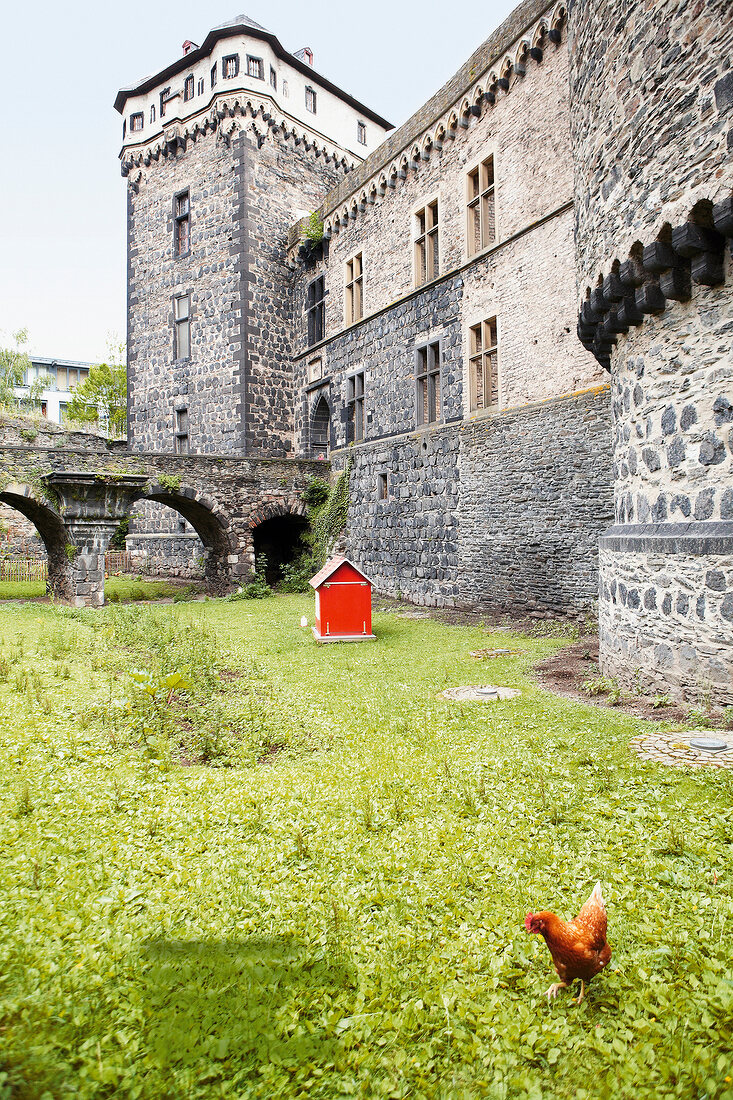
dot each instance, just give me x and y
(306, 54)
(188, 46)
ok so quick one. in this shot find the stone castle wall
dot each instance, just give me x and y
(502, 513)
(652, 128)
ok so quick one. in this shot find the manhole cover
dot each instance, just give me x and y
(485, 693)
(709, 744)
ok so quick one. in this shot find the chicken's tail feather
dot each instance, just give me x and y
(597, 896)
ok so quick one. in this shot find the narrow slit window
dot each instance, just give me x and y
(213, 75)
(181, 444)
(382, 487)
(354, 289)
(483, 365)
(182, 320)
(152, 112)
(315, 308)
(182, 220)
(427, 377)
(273, 78)
(355, 402)
(361, 133)
(427, 258)
(200, 86)
(310, 100)
(481, 207)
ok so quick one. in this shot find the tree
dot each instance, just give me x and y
(102, 398)
(14, 362)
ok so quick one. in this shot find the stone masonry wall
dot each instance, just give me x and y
(503, 513)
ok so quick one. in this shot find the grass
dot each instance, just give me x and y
(116, 589)
(338, 910)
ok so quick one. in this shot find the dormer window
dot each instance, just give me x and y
(310, 100)
(230, 66)
(188, 88)
(255, 67)
(136, 122)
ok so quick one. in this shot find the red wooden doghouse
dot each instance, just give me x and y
(343, 603)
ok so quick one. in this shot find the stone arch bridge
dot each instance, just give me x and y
(76, 488)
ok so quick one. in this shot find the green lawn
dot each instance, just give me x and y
(116, 589)
(333, 906)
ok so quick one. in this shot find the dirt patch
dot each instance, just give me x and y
(229, 674)
(566, 672)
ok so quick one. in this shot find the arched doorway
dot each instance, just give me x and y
(320, 428)
(278, 541)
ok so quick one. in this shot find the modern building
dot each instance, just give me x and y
(59, 378)
(469, 310)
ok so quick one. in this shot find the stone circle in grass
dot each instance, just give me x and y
(482, 693)
(686, 748)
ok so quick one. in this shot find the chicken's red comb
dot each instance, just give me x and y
(528, 921)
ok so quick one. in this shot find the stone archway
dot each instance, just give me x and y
(276, 530)
(53, 533)
(223, 564)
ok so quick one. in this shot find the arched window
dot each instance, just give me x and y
(320, 429)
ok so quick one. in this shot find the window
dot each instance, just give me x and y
(361, 133)
(230, 66)
(124, 128)
(182, 221)
(273, 78)
(152, 112)
(483, 365)
(164, 97)
(382, 487)
(62, 411)
(354, 290)
(286, 90)
(355, 401)
(200, 86)
(60, 378)
(255, 67)
(181, 431)
(310, 100)
(427, 261)
(213, 75)
(182, 319)
(315, 307)
(136, 121)
(481, 208)
(188, 88)
(427, 376)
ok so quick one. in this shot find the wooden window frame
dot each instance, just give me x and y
(481, 206)
(182, 223)
(233, 59)
(200, 86)
(188, 88)
(315, 307)
(361, 133)
(273, 78)
(354, 289)
(383, 486)
(257, 63)
(137, 122)
(181, 325)
(426, 241)
(311, 100)
(428, 383)
(214, 74)
(355, 387)
(483, 364)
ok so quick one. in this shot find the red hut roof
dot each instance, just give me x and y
(331, 567)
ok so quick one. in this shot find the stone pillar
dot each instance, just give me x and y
(90, 539)
(92, 506)
(650, 114)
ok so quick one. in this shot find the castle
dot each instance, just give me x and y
(512, 314)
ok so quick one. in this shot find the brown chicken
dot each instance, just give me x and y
(579, 947)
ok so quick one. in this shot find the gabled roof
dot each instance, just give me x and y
(330, 568)
(243, 24)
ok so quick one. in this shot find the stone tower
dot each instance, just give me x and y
(223, 151)
(652, 132)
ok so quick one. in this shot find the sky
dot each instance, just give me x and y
(62, 230)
